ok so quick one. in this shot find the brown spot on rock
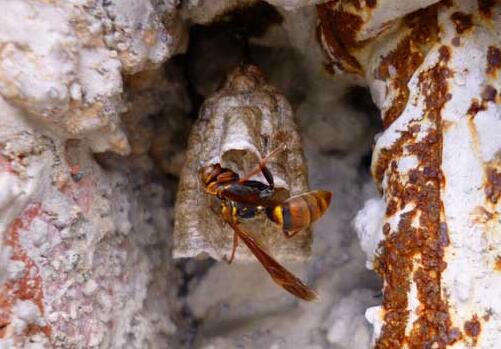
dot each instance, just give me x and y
(475, 107)
(497, 264)
(489, 93)
(462, 21)
(472, 328)
(487, 315)
(493, 184)
(485, 7)
(493, 60)
(371, 3)
(456, 41)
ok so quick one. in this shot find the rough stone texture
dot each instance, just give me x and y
(435, 239)
(85, 238)
(206, 11)
(242, 122)
(63, 66)
(84, 246)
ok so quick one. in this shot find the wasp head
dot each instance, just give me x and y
(209, 173)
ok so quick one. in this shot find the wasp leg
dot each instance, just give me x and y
(290, 234)
(261, 167)
(235, 245)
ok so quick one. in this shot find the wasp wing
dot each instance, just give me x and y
(278, 273)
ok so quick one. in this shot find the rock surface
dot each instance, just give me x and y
(434, 76)
(97, 99)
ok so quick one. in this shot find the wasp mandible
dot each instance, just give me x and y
(243, 198)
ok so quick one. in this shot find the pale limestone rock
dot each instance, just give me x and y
(435, 78)
(84, 246)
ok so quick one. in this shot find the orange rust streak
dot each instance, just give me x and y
(407, 57)
(427, 240)
(497, 265)
(27, 287)
(330, 30)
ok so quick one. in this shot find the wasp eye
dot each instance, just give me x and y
(209, 173)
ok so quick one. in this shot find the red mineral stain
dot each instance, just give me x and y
(28, 287)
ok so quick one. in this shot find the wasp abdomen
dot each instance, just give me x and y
(298, 212)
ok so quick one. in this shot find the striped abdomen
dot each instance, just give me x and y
(298, 212)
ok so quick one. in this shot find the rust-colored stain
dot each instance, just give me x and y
(481, 215)
(371, 3)
(462, 21)
(407, 57)
(489, 94)
(332, 33)
(497, 264)
(493, 60)
(485, 7)
(456, 41)
(487, 315)
(493, 184)
(387, 155)
(433, 328)
(348, 25)
(391, 208)
(27, 287)
(475, 107)
(472, 328)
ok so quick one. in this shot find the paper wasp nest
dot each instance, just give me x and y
(244, 120)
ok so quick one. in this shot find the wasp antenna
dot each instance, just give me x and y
(282, 147)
